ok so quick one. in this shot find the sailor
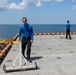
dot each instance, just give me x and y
(26, 37)
(68, 30)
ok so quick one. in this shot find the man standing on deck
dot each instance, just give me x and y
(68, 30)
(26, 37)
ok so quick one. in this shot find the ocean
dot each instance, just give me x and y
(10, 30)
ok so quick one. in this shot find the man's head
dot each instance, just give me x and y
(67, 21)
(24, 20)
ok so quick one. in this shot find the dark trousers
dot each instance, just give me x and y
(26, 42)
(68, 34)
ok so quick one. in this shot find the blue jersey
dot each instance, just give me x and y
(26, 30)
(68, 26)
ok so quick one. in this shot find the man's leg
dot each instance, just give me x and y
(66, 34)
(23, 46)
(28, 49)
(69, 35)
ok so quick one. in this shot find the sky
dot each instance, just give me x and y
(38, 11)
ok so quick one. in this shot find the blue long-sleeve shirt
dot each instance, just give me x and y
(68, 26)
(26, 30)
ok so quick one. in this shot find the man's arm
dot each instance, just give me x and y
(32, 35)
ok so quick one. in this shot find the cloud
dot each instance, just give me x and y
(74, 7)
(4, 4)
(73, 0)
(38, 4)
(59, 0)
(15, 6)
(54, 0)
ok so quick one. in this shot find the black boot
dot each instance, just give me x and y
(28, 59)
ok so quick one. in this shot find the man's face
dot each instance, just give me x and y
(24, 21)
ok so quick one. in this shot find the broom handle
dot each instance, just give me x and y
(15, 60)
(20, 53)
(24, 59)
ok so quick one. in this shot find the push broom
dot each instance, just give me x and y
(20, 67)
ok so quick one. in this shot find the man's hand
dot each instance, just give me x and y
(31, 41)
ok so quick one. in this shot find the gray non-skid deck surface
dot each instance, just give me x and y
(54, 56)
